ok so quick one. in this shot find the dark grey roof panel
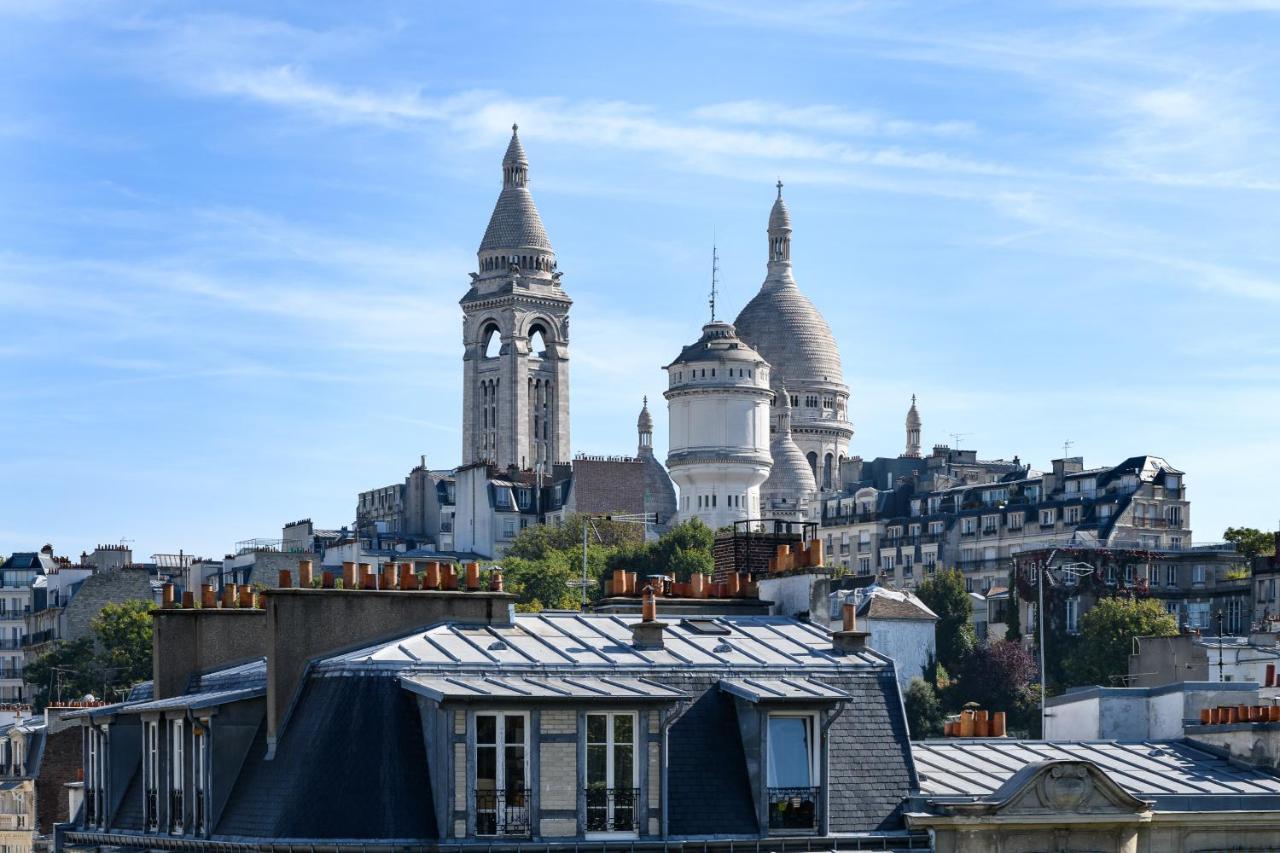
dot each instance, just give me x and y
(782, 690)
(440, 688)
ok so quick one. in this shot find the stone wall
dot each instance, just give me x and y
(99, 589)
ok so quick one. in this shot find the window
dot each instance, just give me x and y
(1197, 574)
(1072, 515)
(990, 523)
(913, 531)
(887, 562)
(1198, 615)
(612, 780)
(864, 566)
(1175, 543)
(200, 772)
(936, 527)
(177, 768)
(792, 772)
(930, 559)
(1047, 517)
(908, 562)
(968, 584)
(1073, 615)
(935, 505)
(502, 774)
(151, 775)
(1105, 510)
(1233, 623)
(95, 778)
(968, 525)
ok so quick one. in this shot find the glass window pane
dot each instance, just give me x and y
(597, 728)
(623, 766)
(486, 728)
(623, 726)
(514, 768)
(597, 766)
(514, 728)
(789, 756)
(486, 768)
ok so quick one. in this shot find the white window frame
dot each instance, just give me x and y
(151, 775)
(499, 746)
(199, 775)
(177, 768)
(1048, 516)
(610, 746)
(1073, 615)
(815, 733)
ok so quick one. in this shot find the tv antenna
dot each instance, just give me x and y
(1066, 448)
(955, 439)
(715, 275)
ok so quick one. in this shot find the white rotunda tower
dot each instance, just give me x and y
(718, 401)
(791, 334)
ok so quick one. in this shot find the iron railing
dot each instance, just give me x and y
(152, 810)
(175, 811)
(199, 815)
(502, 812)
(793, 808)
(613, 809)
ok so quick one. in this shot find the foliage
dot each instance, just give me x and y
(69, 671)
(1013, 611)
(1250, 541)
(945, 595)
(117, 657)
(998, 678)
(1237, 574)
(544, 560)
(123, 631)
(1106, 637)
(924, 710)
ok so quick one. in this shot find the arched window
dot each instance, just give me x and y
(826, 471)
(813, 463)
(537, 341)
(492, 341)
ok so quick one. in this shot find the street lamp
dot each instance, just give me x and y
(1075, 570)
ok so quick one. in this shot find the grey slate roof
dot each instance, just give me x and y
(791, 334)
(1176, 775)
(719, 340)
(207, 699)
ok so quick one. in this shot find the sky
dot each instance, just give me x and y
(233, 236)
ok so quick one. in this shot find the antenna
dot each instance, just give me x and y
(715, 275)
(955, 439)
(1066, 448)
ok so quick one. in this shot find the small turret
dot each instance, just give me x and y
(913, 432)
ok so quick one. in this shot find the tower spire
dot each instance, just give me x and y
(913, 431)
(779, 233)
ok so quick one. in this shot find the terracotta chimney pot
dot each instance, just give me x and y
(229, 595)
(208, 598)
(449, 577)
(286, 579)
(495, 580)
(473, 577)
(305, 574)
(649, 610)
(850, 613)
(966, 724)
(188, 600)
(619, 581)
(166, 596)
(815, 552)
(997, 724)
(348, 575)
(246, 596)
(433, 575)
(697, 585)
(1271, 675)
(388, 580)
(734, 584)
(1273, 714)
(326, 580)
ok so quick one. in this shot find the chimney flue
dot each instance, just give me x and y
(166, 598)
(849, 640)
(304, 574)
(647, 633)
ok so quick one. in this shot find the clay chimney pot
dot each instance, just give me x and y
(305, 574)
(286, 579)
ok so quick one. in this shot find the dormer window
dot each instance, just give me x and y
(792, 774)
(502, 774)
(612, 774)
(177, 775)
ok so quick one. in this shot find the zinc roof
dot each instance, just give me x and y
(1163, 771)
(781, 690)
(579, 641)
(440, 688)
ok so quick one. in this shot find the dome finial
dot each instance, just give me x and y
(515, 128)
(779, 187)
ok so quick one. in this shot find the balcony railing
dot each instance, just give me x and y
(175, 811)
(502, 812)
(612, 809)
(793, 808)
(152, 811)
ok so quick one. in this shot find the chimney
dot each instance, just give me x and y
(647, 633)
(166, 597)
(348, 575)
(849, 639)
(495, 580)
(304, 574)
(208, 599)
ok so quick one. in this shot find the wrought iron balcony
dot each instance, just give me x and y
(613, 809)
(793, 808)
(502, 812)
(152, 810)
(175, 811)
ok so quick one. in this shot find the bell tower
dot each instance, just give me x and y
(515, 333)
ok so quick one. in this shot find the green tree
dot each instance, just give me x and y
(69, 671)
(1013, 610)
(945, 595)
(1250, 541)
(123, 631)
(1106, 637)
(998, 678)
(924, 710)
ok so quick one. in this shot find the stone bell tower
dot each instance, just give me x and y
(515, 400)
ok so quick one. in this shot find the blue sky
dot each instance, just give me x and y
(233, 237)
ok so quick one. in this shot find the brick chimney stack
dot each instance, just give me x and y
(849, 639)
(647, 633)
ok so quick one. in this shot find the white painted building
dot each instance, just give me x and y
(718, 403)
(900, 624)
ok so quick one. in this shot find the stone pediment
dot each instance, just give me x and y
(1057, 788)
